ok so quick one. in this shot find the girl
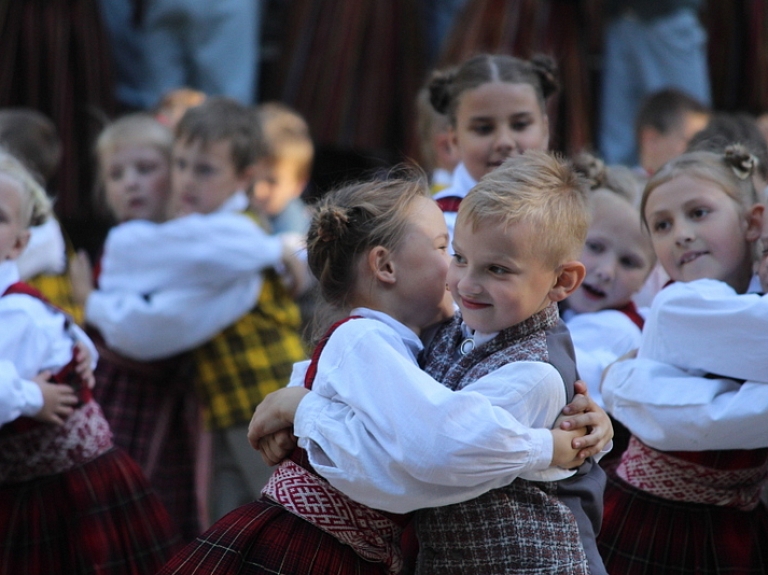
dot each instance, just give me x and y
(496, 105)
(379, 252)
(70, 502)
(148, 404)
(699, 510)
(603, 321)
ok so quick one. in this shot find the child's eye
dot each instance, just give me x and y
(497, 270)
(661, 226)
(630, 263)
(521, 125)
(459, 259)
(482, 129)
(146, 167)
(698, 213)
(595, 247)
(115, 174)
(204, 170)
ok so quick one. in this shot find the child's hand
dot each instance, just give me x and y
(583, 412)
(83, 365)
(277, 446)
(564, 455)
(275, 412)
(81, 276)
(58, 400)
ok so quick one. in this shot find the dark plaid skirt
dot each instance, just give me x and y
(262, 537)
(644, 534)
(99, 517)
(153, 414)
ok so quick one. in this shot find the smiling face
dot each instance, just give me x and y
(494, 276)
(137, 179)
(14, 234)
(421, 263)
(699, 231)
(618, 255)
(497, 120)
(204, 176)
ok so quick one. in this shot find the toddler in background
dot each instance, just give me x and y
(438, 155)
(33, 138)
(70, 501)
(204, 282)
(149, 405)
(496, 105)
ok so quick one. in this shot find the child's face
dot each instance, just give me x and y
(618, 256)
(276, 184)
(497, 120)
(137, 179)
(496, 276)
(698, 232)
(421, 265)
(14, 235)
(204, 177)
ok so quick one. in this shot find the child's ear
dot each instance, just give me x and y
(569, 278)
(20, 242)
(381, 265)
(754, 218)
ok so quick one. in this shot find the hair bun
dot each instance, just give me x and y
(440, 88)
(546, 68)
(592, 168)
(740, 161)
(332, 223)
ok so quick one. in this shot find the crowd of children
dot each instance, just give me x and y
(506, 361)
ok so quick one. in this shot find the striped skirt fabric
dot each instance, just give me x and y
(648, 535)
(99, 517)
(263, 538)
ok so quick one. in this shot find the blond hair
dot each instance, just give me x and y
(286, 135)
(35, 204)
(537, 188)
(138, 129)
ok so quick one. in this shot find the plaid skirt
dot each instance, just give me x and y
(98, 517)
(645, 534)
(154, 416)
(263, 538)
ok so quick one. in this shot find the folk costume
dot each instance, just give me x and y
(70, 501)
(449, 198)
(697, 461)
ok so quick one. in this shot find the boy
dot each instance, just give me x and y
(518, 234)
(207, 270)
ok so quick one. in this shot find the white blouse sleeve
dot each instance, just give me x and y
(706, 328)
(18, 396)
(171, 321)
(670, 409)
(386, 434)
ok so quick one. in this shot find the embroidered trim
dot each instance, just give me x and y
(372, 535)
(50, 449)
(675, 479)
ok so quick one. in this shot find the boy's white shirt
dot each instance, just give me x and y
(599, 339)
(34, 337)
(388, 435)
(461, 183)
(46, 252)
(696, 328)
(18, 396)
(170, 287)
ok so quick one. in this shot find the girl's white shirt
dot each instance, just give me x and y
(170, 287)
(599, 339)
(696, 328)
(34, 336)
(46, 252)
(388, 435)
(461, 183)
(18, 396)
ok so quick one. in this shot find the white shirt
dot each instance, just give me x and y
(170, 287)
(461, 183)
(389, 436)
(599, 339)
(18, 396)
(662, 397)
(46, 252)
(34, 336)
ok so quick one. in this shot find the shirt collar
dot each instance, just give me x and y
(411, 340)
(9, 274)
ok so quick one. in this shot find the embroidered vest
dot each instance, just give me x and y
(520, 528)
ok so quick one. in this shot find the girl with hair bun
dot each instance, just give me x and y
(685, 496)
(70, 501)
(496, 105)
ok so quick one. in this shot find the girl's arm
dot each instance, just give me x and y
(705, 327)
(670, 409)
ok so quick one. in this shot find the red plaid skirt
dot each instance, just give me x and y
(644, 534)
(99, 517)
(153, 415)
(262, 537)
